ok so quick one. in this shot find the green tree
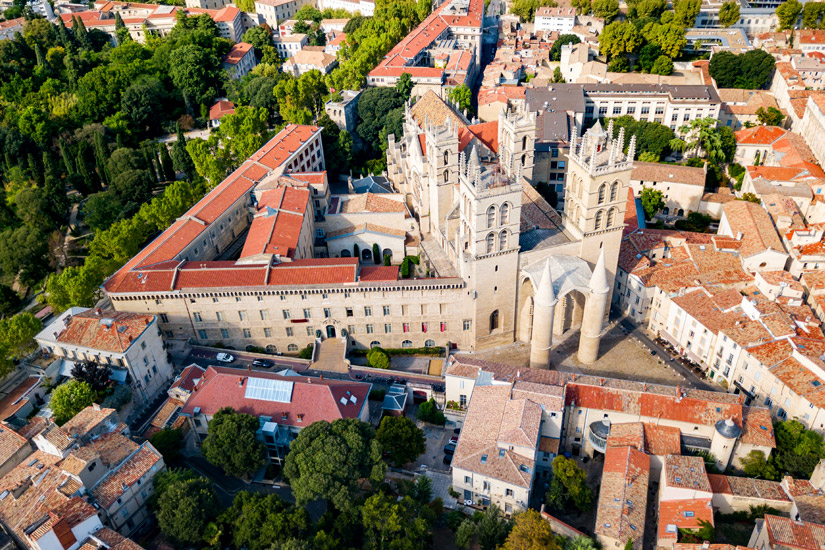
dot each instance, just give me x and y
(185, 508)
(574, 481)
(257, 520)
(465, 534)
(648, 156)
(181, 160)
(663, 66)
(812, 15)
(169, 443)
(580, 543)
(526, 9)
(17, 339)
(629, 544)
(788, 14)
(492, 529)
(756, 464)
(729, 13)
(196, 72)
(652, 201)
(94, 374)
(374, 108)
(463, 97)
(377, 358)
(669, 37)
(404, 86)
(167, 167)
(327, 460)
(389, 523)
(750, 70)
(260, 37)
(607, 9)
(530, 532)
(563, 40)
(648, 56)
(70, 398)
(557, 76)
(685, 12)
(143, 103)
(24, 253)
(231, 443)
(9, 300)
(619, 38)
(798, 449)
(401, 439)
(642, 9)
(618, 64)
(770, 117)
(428, 412)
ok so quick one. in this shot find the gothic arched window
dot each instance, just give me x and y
(524, 143)
(491, 243)
(446, 176)
(523, 159)
(599, 219)
(446, 157)
(611, 217)
(491, 216)
(614, 191)
(602, 193)
(505, 214)
(502, 240)
(493, 320)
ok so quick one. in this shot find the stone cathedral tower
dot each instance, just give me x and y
(596, 196)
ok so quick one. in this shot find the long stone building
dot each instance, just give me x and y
(242, 266)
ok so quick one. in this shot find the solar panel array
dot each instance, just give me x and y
(264, 389)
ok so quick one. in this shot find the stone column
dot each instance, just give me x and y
(593, 319)
(544, 307)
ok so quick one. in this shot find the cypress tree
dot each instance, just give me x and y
(181, 161)
(151, 165)
(101, 155)
(63, 34)
(166, 163)
(119, 140)
(84, 35)
(85, 170)
(55, 190)
(35, 171)
(38, 52)
(9, 163)
(67, 159)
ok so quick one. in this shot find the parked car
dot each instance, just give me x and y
(224, 358)
(449, 448)
(448, 459)
(454, 439)
(262, 363)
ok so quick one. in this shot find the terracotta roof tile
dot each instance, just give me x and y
(794, 534)
(623, 494)
(683, 514)
(139, 463)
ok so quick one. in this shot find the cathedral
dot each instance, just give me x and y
(530, 273)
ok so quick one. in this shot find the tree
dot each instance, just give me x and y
(168, 442)
(685, 12)
(618, 64)
(377, 358)
(812, 15)
(17, 339)
(389, 523)
(257, 520)
(530, 532)
(428, 412)
(24, 253)
(9, 299)
(652, 201)
(574, 481)
(729, 13)
(465, 534)
(70, 398)
(195, 71)
(463, 97)
(94, 374)
(185, 508)
(563, 40)
(663, 66)
(607, 9)
(770, 117)
(629, 544)
(231, 443)
(404, 86)
(798, 450)
(750, 70)
(492, 529)
(755, 464)
(580, 543)
(669, 37)
(526, 9)
(401, 440)
(642, 9)
(650, 136)
(557, 76)
(702, 136)
(74, 286)
(167, 167)
(374, 106)
(143, 103)
(260, 37)
(648, 56)
(788, 14)
(648, 156)
(619, 38)
(181, 160)
(326, 460)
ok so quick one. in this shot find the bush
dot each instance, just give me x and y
(405, 268)
(306, 353)
(378, 358)
(428, 412)
(376, 253)
(377, 395)
(434, 351)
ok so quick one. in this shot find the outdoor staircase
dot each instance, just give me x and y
(330, 355)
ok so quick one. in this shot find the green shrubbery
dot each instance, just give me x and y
(435, 352)
(377, 358)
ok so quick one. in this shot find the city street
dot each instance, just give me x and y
(206, 357)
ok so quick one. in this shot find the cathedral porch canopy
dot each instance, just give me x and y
(568, 272)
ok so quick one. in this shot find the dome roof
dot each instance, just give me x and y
(601, 428)
(728, 428)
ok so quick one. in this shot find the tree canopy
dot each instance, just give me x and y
(751, 70)
(729, 13)
(400, 439)
(185, 508)
(231, 443)
(788, 13)
(69, 398)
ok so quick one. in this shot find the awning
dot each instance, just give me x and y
(66, 368)
(670, 339)
(119, 375)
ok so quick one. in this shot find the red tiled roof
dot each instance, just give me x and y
(759, 135)
(226, 14)
(276, 228)
(794, 534)
(312, 399)
(110, 488)
(188, 378)
(108, 330)
(683, 514)
(378, 273)
(221, 108)
(236, 53)
(623, 494)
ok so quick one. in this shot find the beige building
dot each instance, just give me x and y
(812, 127)
(761, 248)
(275, 11)
(682, 186)
(306, 60)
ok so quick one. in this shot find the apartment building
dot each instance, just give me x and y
(812, 126)
(306, 60)
(275, 11)
(681, 186)
(130, 344)
(363, 7)
(620, 515)
(810, 40)
(561, 19)
(240, 60)
(761, 249)
(289, 45)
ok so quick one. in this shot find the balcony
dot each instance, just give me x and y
(598, 433)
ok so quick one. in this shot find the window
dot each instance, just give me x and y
(367, 311)
(327, 313)
(508, 492)
(599, 219)
(289, 331)
(242, 315)
(386, 310)
(491, 243)
(602, 112)
(405, 327)
(493, 320)
(429, 343)
(502, 240)
(307, 313)
(617, 109)
(610, 215)
(443, 326)
(369, 329)
(387, 328)
(197, 317)
(292, 347)
(505, 213)
(614, 191)
(264, 314)
(407, 344)
(268, 332)
(310, 331)
(491, 216)
(645, 110)
(164, 318)
(247, 333)
(349, 312)
(467, 324)
(202, 334)
(286, 314)
(423, 327)
(224, 333)
(350, 329)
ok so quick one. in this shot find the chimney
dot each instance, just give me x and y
(240, 381)
(95, 406)
(322, 377)
(739, 236)
(601, 381)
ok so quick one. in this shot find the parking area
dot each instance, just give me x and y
(437, 438)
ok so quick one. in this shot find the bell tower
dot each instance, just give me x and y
(442, 161)
(596, 194)
(517, 142)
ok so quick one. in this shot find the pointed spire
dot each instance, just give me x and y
(631, 150)
(545, 295)
(598, 282)
(610, 130)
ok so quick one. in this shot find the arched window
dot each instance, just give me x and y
(406, 344)
(493, 320)
(523, 160)
(614, 191)
(611, 217)
(491, 243)
(524, 143)
(429, 343)
(599, 219)
(446, 176)
(292, 347)
(387, 252)
(375, 344)
(602, 193)
(502, 240)
(446, 157)
(271, 349)
(345, 253)
(491, 216)
(505, 214)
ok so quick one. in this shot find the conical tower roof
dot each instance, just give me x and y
(598, 282)
(545, 295)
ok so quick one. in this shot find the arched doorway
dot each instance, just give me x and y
(330, 331)
(525, 311)
(569, 312)
(346, 254)
(366, 254)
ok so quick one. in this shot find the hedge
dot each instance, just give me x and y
(436, 351)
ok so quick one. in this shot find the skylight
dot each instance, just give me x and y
(268, 390)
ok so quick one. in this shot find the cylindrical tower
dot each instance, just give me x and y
(723, 442)
(593, 318)
(544, 307)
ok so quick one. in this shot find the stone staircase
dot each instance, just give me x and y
(330, 355)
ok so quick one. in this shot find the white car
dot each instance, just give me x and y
(224, 358)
